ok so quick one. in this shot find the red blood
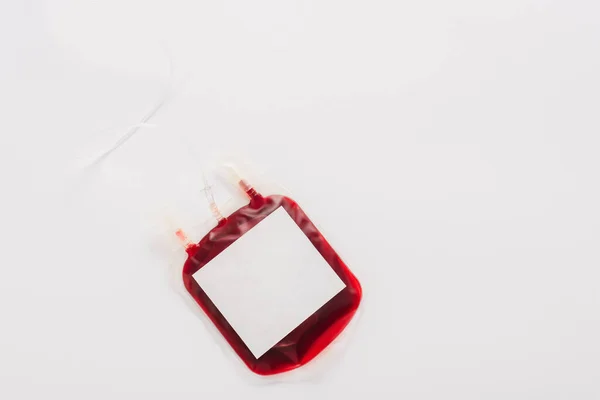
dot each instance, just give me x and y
(314, 334)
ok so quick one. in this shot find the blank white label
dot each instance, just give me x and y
(269, 281)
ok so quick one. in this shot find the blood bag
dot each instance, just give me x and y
(266, 278)
(270, 283)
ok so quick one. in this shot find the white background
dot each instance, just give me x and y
(448, 150)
